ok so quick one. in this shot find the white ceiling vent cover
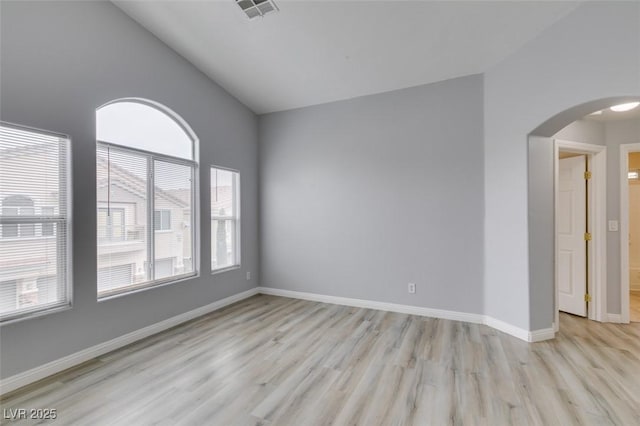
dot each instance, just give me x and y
(255, 8)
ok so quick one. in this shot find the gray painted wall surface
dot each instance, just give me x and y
(361, 197)
(585, 131)
(59, 62)
(592, 53)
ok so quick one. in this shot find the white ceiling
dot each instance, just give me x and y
(313, 52)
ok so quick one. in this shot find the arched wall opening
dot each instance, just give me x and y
(541, 214)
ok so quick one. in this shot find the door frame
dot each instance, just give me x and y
(597, 205)
(625, 149)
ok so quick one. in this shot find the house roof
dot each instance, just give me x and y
(130, 182)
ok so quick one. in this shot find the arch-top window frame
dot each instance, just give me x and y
(158, 183)
(167, 112)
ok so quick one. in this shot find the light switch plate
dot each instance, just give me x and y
(613, 226)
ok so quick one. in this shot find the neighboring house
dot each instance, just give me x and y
(221, 227)
(122, 241)
(28, 261)
(28, 264)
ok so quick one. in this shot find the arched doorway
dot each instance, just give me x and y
(542, 174)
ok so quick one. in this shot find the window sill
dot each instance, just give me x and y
(36, 314)
(225, 269)
(147, 286)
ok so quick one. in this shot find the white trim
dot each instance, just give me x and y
(381, 306)
(541, 335)
(597, 283)
(520, 333)
(625, 149)
(617, 318)
(22, 379)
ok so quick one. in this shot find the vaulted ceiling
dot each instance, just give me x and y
(313, 52)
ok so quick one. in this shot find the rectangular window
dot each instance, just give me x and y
(34, 267)
(145, 219)
(162, 220)
(225, 219)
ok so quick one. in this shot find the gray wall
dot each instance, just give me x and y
(360, 197)
(584, 131)
(59, 62)
(592, 53)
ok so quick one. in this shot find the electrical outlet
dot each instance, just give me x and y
(411, 288)
(248, 275)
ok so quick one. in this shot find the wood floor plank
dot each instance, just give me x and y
(275, 361)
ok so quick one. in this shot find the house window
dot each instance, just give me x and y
(146, 171)
(34, 222)
(18, 205)
(162, 220)
(225, 219)
(111, 224)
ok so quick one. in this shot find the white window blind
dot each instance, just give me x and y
(34, 222)
(225, 219)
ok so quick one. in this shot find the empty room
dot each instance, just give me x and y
(277, 212)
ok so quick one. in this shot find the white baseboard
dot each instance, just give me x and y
(370, 304)
(617, 318)
(541, 335)
(520, 333)
(505, 327)
(22, 379)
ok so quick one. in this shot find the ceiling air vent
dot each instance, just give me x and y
(255, 8)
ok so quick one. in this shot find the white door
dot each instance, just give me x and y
(571, 225)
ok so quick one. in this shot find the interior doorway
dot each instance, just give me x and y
(630, 231)
(580, 234)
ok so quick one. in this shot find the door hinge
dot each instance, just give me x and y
(587, 298)
(587, 175)
(587, 236)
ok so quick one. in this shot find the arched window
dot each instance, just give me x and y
(146, 170)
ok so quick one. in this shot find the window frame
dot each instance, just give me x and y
(236, 219)
(151, 157)
(63, 225)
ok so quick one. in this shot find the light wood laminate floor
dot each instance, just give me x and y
(634, 306)
(277, 361)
